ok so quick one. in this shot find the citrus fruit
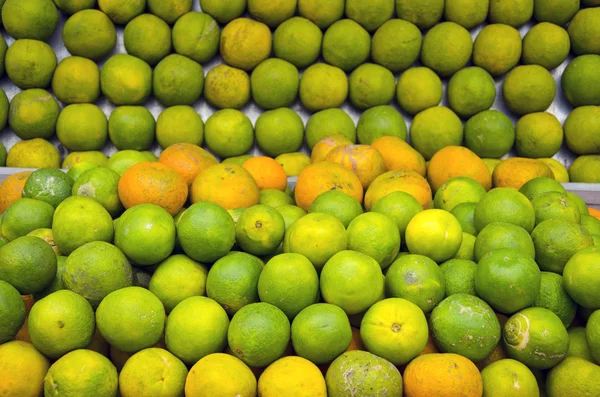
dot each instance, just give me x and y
(33, 153)
(271, 13)
(196, 35)
(30, 20)
(176, 279)
(260, 230)
(424, 14)
(30, 63)
(396, 55)
(279, 131)
(334, 124)
(24, 216)
(465, 325)
(542, 128)
(76, 80)
(456, 191)
(574, 376)
(351, 280)
(547, 45)
(274, 286)
(13, 312)
(558, 169)
(361, 373)
(459, 276)
(500, 235)
(259, 334)
(338, 204)
(321, 14)
(579, 127)
(82, 127)
(321, 332)
(489, 134)
(131, 128)
(470, 91)
(394, 329)
(48, 185)
(245, 43)
(528, 89)
(465, 214)
(514, 13)
(227, 87)
(206, 232)
(148, 38)
(375, 235)
(89, 34)
(23, 369)
(579, 81)
(346, 45)
(307, 236)
(297, 41)
(187, 159)
(11, 189)
(418, 89)
(293, 163)
(504, 205)
(152, 369)
(126, 80)
(220, 375)
(510, 378)
(275, 198)
(196, 328)
(578, 346)
(86, 268)
(592, 334)
(177, 80)
(179, 124)
(582, 170)
(28, 264)
(380, 121)
(556, 12)
(580, 275)
(229, 133)
(233, 281)
(447, 48)
(467, 247)
(121, 13)
(401, 207)
(555, 205)
(399, 155)
(33, 114)
(435, 234)
(589, 223)
(228, 185)
(435, 128)
(267, 173)
(554, 297)
(370, 16)
(398, 180)
(417, 279)
(583, 31)
(57, 283)
(292, 376)
(92, 157)
(371, 85)
(366, 162)
(497, 48)
(290, 214)
(169, 10)
(536, 337)
(61, 322)
(516, 171)
(82, 372)
(101, 184)
(467, 13)
(323, 87)
(538, 186)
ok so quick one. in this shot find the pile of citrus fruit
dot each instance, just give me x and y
(435, 268)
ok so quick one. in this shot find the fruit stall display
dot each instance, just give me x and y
(300, 198)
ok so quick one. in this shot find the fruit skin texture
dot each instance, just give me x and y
(126, 80)
(245, 43)
(470, 91)
(504, 205)
(177, 80)
(580, 128)
(187, 159)
(516, 171)
(423, 13)
(33, 114)
(434, 233)
(323, 87)
(329, 129)
(367, 163)
(227, 185)
(292, 376)
(90, 34)
(584, 32)
(510, 377)
(12, 313)
(546, 45)
(528, 89)
(447, 48)
(196, 35)
(580, 277)
(442, 375)
(511, 12)
(298, 41)
(454, 161)
(584, 169)
(30, 63)
(23, 369)
(467, 13)
(435, 128)
(211, 376)
(554, 297)
(396, 55)
(499, 235)
(11, 189)
(490, 134)
(574, 377)
(35, 19)
(538, 135)
(592, 335)
(76, 80)
(497, 49)
(418, 89)
(346, 45)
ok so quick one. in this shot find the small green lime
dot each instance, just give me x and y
(122, 160)
(49, 185)
(371, 85)
(459, 275)
(419, 89)
(554, 298)
(380, 121)
(169, 10)
(580, 82)
(327, 123)
(101, 184)
(82, 127)
(456, 191)
(30, 63)
(396, 45)
(28, 264)
(434, 129)
(578, 346)
(447, 48)
(279, 131)
(490, 134)
(338, 204)
(177, 80)
(529, 89)
(148, 38)
(540, 185)
(546, 45)
(131, 127)
(401, 207)
(196, 35)
(465, 213)
(583, 31)
(229, 133)
(179, 124)
(346, 45)
(35, 19)
(515, 13)
(89, 34)
(538, 135)
(423, 13)
(13, 312)
(497, 49)
(555, 205)
(126, 80)
(323, 87)
(580, 127)
(321, 14)
(76, 80)
(471, 91)
(275, 84)
(298, 41)
(33, 113)
(467, 13)
(24, 216)
(501, 235)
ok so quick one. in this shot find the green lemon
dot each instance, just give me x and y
(49, 185)
(223, 12)
(36, 19)
(419, 89)
(148, 38)
(447, 48)
(423, 13)
(179, 124)
(459, 275)
(298, 41)
(434, 129)
(580, 82)
(579, 130)
(546, 45)
(30, 63)
(275, 84)
(346, 45)
(467, 13)
(89, 34)
(380, 121)
(122, 12)
(515, 13)
(76, 80)
(131, 127)
(529, 89)
(177, 80)
(229, 133)
(227, 87)
(538, 135)
(583, 31)
(490, 134)
(371, 85)
(322, 87)
(101, 184)
(196, 35)
(327, 123)
(279, 131)
(321, 14)
(471, 91)
(497, 48)
(396, 45)
(33, 113)
(169, 10)
(126, 80)
(82, 127)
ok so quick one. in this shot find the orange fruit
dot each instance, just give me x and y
(367, 163)
(516, 171)
(323, 176)
(442, 375)
(594, 212)
(325, 145)
(227, 185)
(399, 181)
(399, 155)
(153, 183)
(454, 161)
(187, 159)
(12, 189)
(267, 173)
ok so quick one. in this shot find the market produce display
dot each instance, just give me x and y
(428, 249)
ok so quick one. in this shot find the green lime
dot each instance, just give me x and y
(467, 13)
(131, 128)
(555, 205)
(583, 30)
(554, 297)
(528, 89)
(497, 48)
(275, 285)
(589, 223)
(580, 275)
(584, 169)
(375, 235)
(275, 84)
(49, 185)
(423, 13)
(24, 216)
(122, 12)
(179, 124)
(57, 283)
(546, 45)
(380, 121)
(467, 247)
(227, 87)
(418, 89)
(290, 214)
(471, 91)
(459, 276)
(229, 133)
(260, 230)
(574, 376)
(28, 264)
(148, 38)
(557, 12)
(579, 130)
(279, 131)
(323, 87)
(465, 214)
(245, 43)
(271, 13)
(92, 157)
(89, 34)
(515, 13)
(346, 45)
(170, 10)
(177, 80)
(536, 337)
(196, 35)
(578, 346)
(469, 320)
(447, 48)
(509, 377)
(338, 204)
(435, 128)
(456, 191)
(329, 122)
(434, 233)
(580, 83)
(396, 45)
(82, 127)
(538, 186)
(418, 279)
(275, 198)
(223, 12)
(36, 19)
(507, 280)
(33, 114)
(76, 80)
(499, 235)
(370, 15)
(122, 160)
(505, 205)
(30, 63)
(13, 312)
(126, 80)
(592, 334)
(321, 332)
(321, 14)
(371, 85)
(298, 41)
